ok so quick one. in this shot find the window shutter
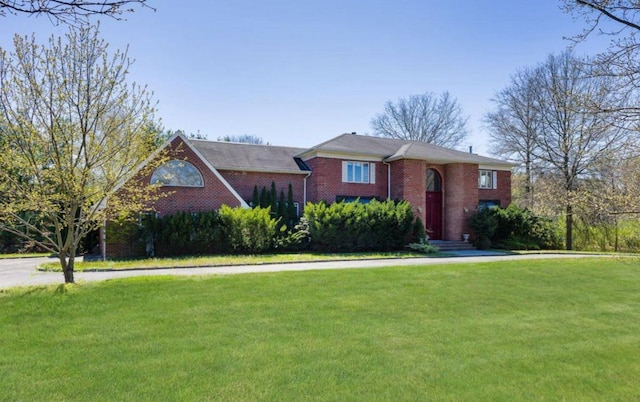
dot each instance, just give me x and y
(344, 171)
(495, 179)
(372, 173)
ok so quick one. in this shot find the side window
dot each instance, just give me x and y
(487, 179)
(358, 172)
(177, 173)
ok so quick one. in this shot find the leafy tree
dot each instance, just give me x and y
(70, 11)
(429, 118)
(245, 138)
(75, 130)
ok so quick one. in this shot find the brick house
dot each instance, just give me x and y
(444, 186)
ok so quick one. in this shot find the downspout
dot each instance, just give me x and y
(388, 179)
(304, 193)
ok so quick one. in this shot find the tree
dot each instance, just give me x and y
(515, 124)
(429, 118)
(75, 130)
(70, 11)
(551, 119)
(618, 20)
(245, 138)
(573, 139)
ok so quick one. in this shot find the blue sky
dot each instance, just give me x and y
(301, 72)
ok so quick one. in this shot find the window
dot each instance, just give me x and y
(483, 204)
(433, 181)
(177, 173)
(358, 172)
(354, 198)
(488, 179)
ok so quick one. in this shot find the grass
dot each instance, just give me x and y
(222, 260)
(522, 330)
(23, 255)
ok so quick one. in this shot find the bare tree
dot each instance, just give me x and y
(573, 139)
(514, 125)
(429, 118)
(75, 130)
(619, 20)
(70, 11)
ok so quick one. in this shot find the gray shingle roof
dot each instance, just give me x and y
(249, 157)
(393, 149)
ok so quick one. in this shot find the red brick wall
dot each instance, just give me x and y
(209, 197)
(408, 182)
(212, 196)
(325, 183)
(244, 182)
(460, 198)
(502, 193)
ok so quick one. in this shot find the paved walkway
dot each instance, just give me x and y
(22, 272)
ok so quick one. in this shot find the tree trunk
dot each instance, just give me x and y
(569, 224)
(67, 269)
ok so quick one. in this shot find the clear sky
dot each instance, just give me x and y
(298, 72)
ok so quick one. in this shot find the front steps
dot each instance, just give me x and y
(445, 245)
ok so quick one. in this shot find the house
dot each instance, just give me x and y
(444, 186)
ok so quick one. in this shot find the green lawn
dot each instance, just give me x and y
(525, 330)
(225, 260)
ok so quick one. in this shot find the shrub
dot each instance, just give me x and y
(513, 228)
(354, 226)
(183, 233)
(248, 230)
(484, 225)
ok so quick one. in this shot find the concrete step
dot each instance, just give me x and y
(445, 245)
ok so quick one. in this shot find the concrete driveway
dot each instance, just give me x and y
(23, 272)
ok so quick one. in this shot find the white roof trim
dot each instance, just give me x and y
(496, 167)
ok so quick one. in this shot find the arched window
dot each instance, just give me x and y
(177, 173)
(434, 183)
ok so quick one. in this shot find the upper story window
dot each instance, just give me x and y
(487, 179)
(358, 172)
(177, 173)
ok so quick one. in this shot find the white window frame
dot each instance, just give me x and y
(358, 172)
(491, 179)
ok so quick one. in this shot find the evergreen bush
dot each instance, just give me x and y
(355, 226)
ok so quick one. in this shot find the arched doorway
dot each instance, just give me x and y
(433, 207)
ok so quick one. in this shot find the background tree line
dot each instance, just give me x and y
(572, 124)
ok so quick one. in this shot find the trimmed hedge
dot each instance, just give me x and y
(340, 227)
(354, 226)
(513, 228)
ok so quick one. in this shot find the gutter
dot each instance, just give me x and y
(388, 179)
(304, 193)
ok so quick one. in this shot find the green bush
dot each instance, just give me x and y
(513, 228)
(484, 225)
(184, 233)
(248, 230)
(354, 226)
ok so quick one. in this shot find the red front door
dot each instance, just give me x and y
(433, 205)
(433, 215)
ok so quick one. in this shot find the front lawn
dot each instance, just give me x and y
(520, 330)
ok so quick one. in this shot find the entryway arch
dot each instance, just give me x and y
(433, 205)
